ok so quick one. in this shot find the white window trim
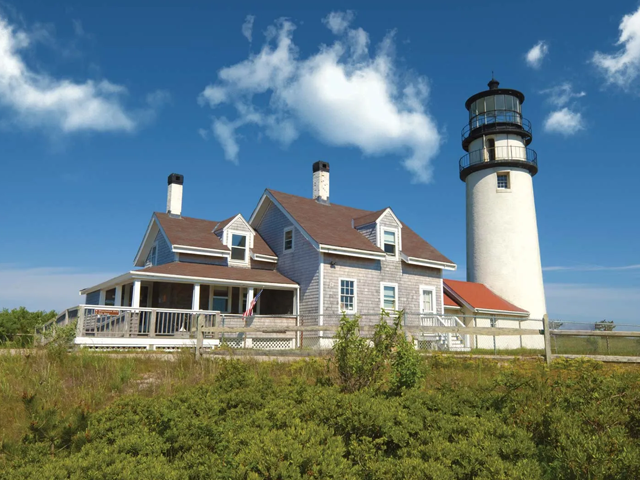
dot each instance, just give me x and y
(504, 190)
(355, 294)
(284, 239)
(434, 305)
(396, 231)
(247, 235)
(212, 296)
(386, 284)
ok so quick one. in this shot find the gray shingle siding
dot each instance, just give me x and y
(165, 254)
(387, 220)
(369, 231)
(369, 274)
(301, 265)
(92, 298)
(239, 226)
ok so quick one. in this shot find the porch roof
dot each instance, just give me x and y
(183, 272)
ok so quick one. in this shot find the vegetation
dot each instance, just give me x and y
(89, 415)
(18, 325)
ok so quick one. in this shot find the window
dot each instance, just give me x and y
(503, 180)
(152, 258)
(288, 239)
(239, 247)
(220, 301)
(491, 149)
(389, 239)
(347, 296)
(389, 296)
(427, 300)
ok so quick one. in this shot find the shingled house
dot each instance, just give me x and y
(308, 258)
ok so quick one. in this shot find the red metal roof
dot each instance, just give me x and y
(448, 301)
(479, 296)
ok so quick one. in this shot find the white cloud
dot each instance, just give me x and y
(562, 94)
(535, 56)
(591, 303)
(591, 268)
(564, 121)
(338, 22)
(39, 100)
(158, 99)
(623, 66)
(44, 288)
(247, 27)
(342, 95)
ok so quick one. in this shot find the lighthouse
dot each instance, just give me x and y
(503, 251)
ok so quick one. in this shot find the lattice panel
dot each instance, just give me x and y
(232, 343)
(273, 343)
(427, 344)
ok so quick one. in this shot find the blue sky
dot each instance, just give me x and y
(98, 104)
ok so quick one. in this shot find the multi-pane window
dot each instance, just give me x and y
(347, 295)
(389, 297)
(220, 299)
(288, 239)
(389, 238)
(503, 180)
(427, 301)
(239, 247)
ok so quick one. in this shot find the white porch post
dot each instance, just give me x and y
(249, 298)
(102, 299)
(135, 296)
(118, 300)
(195, 302)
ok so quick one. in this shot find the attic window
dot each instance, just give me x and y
(288, 239)
(389, 239)
(239, 247)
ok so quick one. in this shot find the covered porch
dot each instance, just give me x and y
(164, 302)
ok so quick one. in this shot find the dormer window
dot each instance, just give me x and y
(389, 238)
(239, 247)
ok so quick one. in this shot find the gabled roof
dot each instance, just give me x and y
(195, 232)
(333, 225)
(479, 297)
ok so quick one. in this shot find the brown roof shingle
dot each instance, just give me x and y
(195, 232)
(219, 272)
(333, 225)
(480, 296)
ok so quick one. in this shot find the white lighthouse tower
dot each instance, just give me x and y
(502, 233)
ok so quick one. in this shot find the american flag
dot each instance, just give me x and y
(249, 311)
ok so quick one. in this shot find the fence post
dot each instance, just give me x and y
(199, 337)
(547, 339)
(152, 324)
(80, 324)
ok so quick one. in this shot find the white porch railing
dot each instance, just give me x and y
(127, 327)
